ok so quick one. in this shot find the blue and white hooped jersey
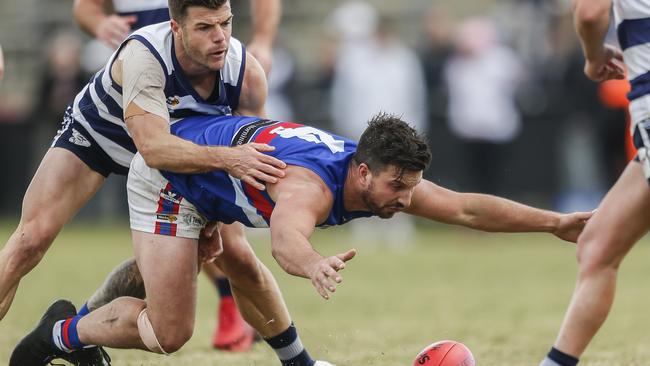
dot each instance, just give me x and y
(98, 107)
(147, 11)
(219, 196)
(632, 19)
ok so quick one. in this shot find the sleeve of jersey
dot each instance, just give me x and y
(143, 80)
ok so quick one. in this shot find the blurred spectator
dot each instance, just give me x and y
(482, 77)
(435, 50)
(434, 54)
(278, 104)
(61, 80)
(374, 71)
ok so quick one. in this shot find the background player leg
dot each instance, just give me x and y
(620, 221)
(232, 333)
(259, 299)
(61, 186)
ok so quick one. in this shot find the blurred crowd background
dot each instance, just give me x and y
(497, 86)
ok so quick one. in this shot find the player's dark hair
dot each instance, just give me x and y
(390, 141)
(178, 8)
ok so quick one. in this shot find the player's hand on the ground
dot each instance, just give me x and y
(249, 164)
(606, 66)
(571, 225)
(114, 29)
(210, 244)
(263, 54)
(324, 274)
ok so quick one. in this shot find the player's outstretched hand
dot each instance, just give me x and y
(571, 225)
(249, 164)
(210, 245)
(114, 29)
(325, 273)
(606, 66)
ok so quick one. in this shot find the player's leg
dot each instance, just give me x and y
(168, 266)
(61, 186)
(162, 325)
(232, 333)
(124, 280)
(619, 222)
(259, 299)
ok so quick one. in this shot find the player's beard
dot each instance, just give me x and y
(370, 203)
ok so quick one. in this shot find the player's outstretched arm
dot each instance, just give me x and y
(301, 201)
(110, 29)
(591, 20)
(490, 213)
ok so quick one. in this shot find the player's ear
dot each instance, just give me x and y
(176, 27)
(365, 175)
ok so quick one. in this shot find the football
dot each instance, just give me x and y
(445, 353)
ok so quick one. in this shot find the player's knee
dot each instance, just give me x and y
(163, 338)
(595, 255)
(31, 242)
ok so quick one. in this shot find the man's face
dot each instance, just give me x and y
(387, 192)
(205, 34)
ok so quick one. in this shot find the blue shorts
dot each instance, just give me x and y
(73, 137)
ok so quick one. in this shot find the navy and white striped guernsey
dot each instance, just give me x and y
(219, 196)
(632, 19)
(147, 11)
(98, 107)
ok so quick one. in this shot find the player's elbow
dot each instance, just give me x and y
(283, 258)
(280, 257)
(151, 155)
(589, 12)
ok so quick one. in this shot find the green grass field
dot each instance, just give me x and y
(502, 295)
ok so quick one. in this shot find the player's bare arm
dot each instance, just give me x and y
(111, 29)
(302, 200)
(491, 213)
(252, 99)
(266, 17)
(591, 20)
(147, 119)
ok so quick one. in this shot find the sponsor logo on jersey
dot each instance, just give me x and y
(173, 101)
(192, 219)
(170, 196)
(169, 218)
(79, 139)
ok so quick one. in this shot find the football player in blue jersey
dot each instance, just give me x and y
(162, 72)
(112, 26)
(622, 217)
(329, 180)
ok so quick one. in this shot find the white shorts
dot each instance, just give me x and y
(154, 206)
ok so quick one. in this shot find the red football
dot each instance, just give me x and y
(445, 353)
